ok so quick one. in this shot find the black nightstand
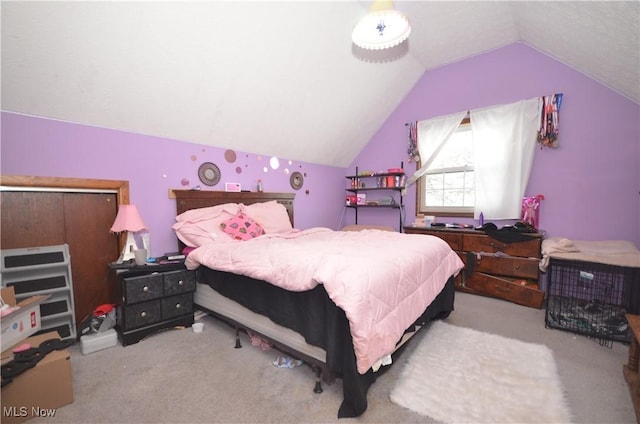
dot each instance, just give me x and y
(154, 297)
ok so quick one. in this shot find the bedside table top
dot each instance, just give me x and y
(132, 268)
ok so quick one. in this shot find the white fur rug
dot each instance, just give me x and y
(460, 375)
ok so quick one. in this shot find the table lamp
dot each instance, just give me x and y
(129, 220)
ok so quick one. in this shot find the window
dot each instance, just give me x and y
(494, 163)
(448, 186)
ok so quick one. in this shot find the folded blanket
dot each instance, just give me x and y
(611, 252)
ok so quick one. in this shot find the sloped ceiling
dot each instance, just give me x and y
(277, 78)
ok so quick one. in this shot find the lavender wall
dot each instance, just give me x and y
(591, 182)
(43, 147)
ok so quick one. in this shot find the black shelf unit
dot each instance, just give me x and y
(379, 181)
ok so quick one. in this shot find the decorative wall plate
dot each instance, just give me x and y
(296, 180)
(209, 173)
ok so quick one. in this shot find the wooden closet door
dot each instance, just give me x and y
(82, 220)
(87, 220)
(31, 219)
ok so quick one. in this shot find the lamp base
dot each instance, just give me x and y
(129, 247)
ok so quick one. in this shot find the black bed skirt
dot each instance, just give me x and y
(314, 315)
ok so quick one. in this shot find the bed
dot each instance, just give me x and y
(263, 285)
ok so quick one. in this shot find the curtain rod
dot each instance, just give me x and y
(465, 117)
(556, 95)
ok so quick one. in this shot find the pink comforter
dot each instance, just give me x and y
(382, 280)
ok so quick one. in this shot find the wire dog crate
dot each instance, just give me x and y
(591, 299)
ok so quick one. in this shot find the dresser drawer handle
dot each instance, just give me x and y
(143, 314)
(178, 306)
(145, 289)
(181, 283)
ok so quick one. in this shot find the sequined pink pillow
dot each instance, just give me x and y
(241, 227)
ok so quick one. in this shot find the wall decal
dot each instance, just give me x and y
(209, 173)
(296, 180)
(230, 156)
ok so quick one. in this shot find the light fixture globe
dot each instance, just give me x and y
(382, 28)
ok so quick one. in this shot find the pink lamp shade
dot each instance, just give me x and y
(129, 220)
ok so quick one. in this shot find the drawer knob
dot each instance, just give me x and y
(181, 283)
(145, 289)
(143, 314)
(178, 306)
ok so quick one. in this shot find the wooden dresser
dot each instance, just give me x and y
(630, 370)
(494, 268)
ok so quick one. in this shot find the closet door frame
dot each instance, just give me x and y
(120, 187)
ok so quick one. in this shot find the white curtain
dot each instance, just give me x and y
(504, 141)
(432, 136)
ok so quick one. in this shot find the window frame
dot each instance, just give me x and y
(452, 211)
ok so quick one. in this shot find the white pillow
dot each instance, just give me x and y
(272, 216)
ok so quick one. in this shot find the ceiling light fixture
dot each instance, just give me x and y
(382, 28)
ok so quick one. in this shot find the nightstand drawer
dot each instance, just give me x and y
(179, 282)
(139, 289)
(177, 305)
(478, 243)
(141, 314)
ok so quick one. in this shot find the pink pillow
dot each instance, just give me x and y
(241, 227)
(272, 216)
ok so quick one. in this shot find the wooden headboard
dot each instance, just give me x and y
(194, 199)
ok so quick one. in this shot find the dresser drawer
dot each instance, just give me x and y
(141, 314)
(179, 282)
(454, 240)
(506, 265)
(527, 295)
(480, 243)
(177, 305)
(141, 288)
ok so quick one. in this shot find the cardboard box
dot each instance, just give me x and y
(38, 391)
(23, 322)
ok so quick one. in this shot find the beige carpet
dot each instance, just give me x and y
(460, 375)
(178, 376)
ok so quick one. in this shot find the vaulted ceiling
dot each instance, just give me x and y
(277, 78)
